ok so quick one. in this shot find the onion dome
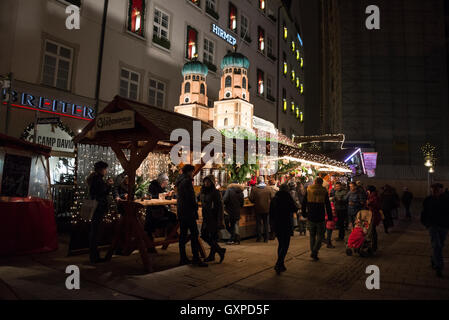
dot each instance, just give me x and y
(235, 59)
(195, 67)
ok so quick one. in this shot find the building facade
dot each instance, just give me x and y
(394, 95)
(146, 43)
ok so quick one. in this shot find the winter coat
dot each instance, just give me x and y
(373, 204)
(389, 200)
(233, 200)
(316, 204)
(281, 212)
(154, 190)
(339, 199)
(261, 196)
(295, 196)
(120, 191)
(212, 208)
(187, 205)
(407, 198)
(355, 202)
(98, 189)
(436, 211)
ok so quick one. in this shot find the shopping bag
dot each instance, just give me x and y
(87, 209)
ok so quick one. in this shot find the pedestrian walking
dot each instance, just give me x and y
(99, 191)
(356, 201)
(407, 198)
(188, 215)
(212, 210)
(261, 196)
(373, 203)
(435, 217)
(388, 203)
(338, 198)
(233, 201)
(317, 204)
(281, 212)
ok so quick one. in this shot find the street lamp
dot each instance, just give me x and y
(431, 170)
(428, 151)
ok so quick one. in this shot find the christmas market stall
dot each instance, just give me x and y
(27, 223)
(132, 131)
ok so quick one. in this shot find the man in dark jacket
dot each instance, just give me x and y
(388, 203)
(159, 216)
(282, 208)
(233, 200)
(99, 191)
(212, 211)
(187, 215)
(435, 217)
(407, 198)
(317, 204)
(338, 197)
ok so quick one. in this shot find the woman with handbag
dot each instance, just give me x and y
(98, 191)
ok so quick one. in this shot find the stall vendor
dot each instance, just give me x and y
(159, 216)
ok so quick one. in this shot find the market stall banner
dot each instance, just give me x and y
(370, 159)
(51, 135)
(115, 121)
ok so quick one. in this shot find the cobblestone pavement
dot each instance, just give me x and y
(246, 273)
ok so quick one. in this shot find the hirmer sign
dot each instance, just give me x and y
(223, 34)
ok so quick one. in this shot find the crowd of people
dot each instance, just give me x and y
(281, 209)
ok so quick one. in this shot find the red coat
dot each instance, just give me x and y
(374, 205)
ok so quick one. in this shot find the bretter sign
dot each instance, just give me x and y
(115, 121)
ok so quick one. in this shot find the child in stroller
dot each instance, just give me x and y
(360, 239)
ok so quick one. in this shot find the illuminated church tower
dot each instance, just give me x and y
(193, 98)
(233, 110)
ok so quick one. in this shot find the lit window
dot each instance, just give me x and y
(284, 99)
(297, 112)
(209, 49)
(136, 16)
(228, 82)
(261, 35)
(262, 4)
(298, 56)
(293, 46)
(293, 75)
(129, 84)
(297, 82)
(301, 117)
(57, 65)
(293, 106)
(232, 17)
(157, 93)
(285, 33)
(260, 82)
(196, 2)
(285, 63)
(302, 63)
(161, 24)
(192, 43)
(302, 88)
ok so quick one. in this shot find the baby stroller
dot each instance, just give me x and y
(360, 239)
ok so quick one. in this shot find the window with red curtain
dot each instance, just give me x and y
(192, 43)
(136, 17)
(232, 17)
(260, 82)
(197, 2)
(262, 4)
(261, 35)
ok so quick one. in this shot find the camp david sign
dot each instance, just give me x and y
(51, 135)
(115, 121)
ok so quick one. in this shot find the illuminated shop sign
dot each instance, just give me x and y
(223, 34)
(49, 105)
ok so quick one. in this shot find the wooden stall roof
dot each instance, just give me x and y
(15, 143)
(152, 123)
